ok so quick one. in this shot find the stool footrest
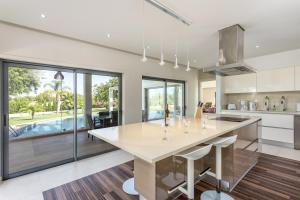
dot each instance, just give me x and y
(183, 183)
(205, 171)
(173, 189)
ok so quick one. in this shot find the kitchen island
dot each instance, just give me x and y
(156, 172)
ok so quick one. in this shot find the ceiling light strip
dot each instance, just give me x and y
(169, 11)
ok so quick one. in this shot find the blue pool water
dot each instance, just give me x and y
(48, 127)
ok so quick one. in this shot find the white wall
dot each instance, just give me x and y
(27, 45)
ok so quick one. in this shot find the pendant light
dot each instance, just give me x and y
(144, 58)
(162, 62)
(176, 57)
(176, 62)
(188, 61)
(188, 66)
(188, 53)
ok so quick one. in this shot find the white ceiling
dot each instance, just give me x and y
(274, 25)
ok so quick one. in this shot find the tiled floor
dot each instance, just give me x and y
(280, 151)
(30, 187)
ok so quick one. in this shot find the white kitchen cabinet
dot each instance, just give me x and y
(297, 78)
(276, 80)
(275, 127)
(240, 83)
(278, 134)
(278, 120)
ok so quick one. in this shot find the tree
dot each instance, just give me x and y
(32, 108)
(57, 85)
(101, 92)
(67, 100)
(47, 100)
(22, 80)
(18, 103)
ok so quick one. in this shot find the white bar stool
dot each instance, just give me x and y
(219, 143)
(128, 187)
(191, 155)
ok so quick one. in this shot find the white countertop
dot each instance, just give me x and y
(265, 112)
(144, 140)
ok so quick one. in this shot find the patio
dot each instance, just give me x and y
(35, 152)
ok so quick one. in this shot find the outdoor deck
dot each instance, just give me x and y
(35, 152)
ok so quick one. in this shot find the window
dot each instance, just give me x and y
(157, 93)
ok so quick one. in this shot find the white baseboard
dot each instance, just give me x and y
(277, 143)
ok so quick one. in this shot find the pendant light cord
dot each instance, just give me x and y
(143, 23)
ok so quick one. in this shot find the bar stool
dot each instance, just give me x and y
(219, 143)
(191, 155)
(128, 187)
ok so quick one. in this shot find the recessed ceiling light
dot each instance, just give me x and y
(148, 47)
(194, 60)
(257, 46)
(108, 35)
(43, 15)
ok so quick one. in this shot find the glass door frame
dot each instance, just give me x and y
(166, 81)
(101, 73)
(4, 111)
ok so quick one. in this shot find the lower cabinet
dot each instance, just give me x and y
(275, 127)
(278, 134)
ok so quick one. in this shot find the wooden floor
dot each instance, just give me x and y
(273, 178)
(30, 153)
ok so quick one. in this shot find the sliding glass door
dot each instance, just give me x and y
(40, 117)
(98, 103)
(175, 98)
(154, 99)
(48, 112)
(159, 92)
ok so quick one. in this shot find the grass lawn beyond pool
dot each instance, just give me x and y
(19, 120)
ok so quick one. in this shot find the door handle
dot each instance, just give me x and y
(4, 120)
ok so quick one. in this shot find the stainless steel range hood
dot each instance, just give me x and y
(231, 53)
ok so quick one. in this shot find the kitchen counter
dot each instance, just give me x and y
(144, 140)
(154, 162)
(264, 112)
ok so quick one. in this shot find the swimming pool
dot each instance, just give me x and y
(48, 127)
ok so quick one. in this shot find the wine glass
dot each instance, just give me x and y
(186, 124)
(204, 121)
(165, 132)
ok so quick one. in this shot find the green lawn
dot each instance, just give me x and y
(41, 117)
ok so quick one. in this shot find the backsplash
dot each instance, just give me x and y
(292, 98)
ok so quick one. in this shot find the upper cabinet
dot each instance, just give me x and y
(240, 83)
(297, 78)
(282, 79)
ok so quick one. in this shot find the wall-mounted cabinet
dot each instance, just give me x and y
(297, 78)
(282, 79)
(240, 83)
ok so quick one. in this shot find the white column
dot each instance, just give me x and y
(219, 94)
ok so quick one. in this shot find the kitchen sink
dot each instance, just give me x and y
(231, 119)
